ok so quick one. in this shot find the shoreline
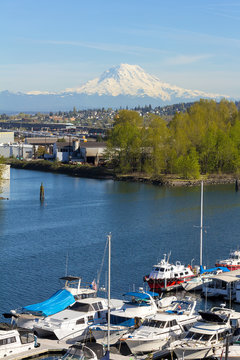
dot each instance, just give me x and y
(102, 173)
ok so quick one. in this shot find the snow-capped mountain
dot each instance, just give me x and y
(132, 80)
(121, 86)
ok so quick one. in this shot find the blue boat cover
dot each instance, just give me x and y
(57, 302)
(140, 295)
(223, 268)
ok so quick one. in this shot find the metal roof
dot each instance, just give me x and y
(228, 277)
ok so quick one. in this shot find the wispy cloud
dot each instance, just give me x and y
(187, 59)
(117, 48)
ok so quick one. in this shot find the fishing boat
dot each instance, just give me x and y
(71, 291)
(208, 336)
(166, 276)
(232, 263)
(156, 331)
(14, 340)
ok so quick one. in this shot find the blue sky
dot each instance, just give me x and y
(53, 45)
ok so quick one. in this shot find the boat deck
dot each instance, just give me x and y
(48, 347)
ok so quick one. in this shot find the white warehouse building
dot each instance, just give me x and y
(21, 151)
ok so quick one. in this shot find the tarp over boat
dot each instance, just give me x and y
(222, 268)
(143, 296)
(57, 302)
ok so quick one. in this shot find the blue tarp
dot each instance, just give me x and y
(142, 296)
(223, 268)
(57, 302)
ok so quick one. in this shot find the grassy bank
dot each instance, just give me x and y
(86, 171)
(98, 172)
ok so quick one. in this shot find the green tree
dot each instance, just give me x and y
(188, 165)
(155, 144)
(124, 143)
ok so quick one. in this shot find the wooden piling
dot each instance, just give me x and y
(236, 185)
(41, 192)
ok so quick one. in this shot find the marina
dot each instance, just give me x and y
(51, 248)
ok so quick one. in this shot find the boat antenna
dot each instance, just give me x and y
(201, 224)
(66, 269)
(109, 289)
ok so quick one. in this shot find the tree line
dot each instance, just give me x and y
(203, 140)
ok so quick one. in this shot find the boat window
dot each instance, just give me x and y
(117, 320)
(189, 335)
(157, 269)
(81, 307)
(90, 318)
(181, 274)
(176, 275)
(95, 306)
(80, 321)
(197, 336)
(100, 305)
(8, 341)
(186, 272)
(172, 323)
(154, 323)
(206, 337)
(26, 338)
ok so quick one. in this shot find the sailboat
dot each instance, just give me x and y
(196, 283)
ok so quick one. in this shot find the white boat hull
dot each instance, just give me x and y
(101, 335)
(16, 350)
(192, 286)
(198, 352)
(141, 346)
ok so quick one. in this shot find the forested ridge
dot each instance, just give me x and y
(203, 140)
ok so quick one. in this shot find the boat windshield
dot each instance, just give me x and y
(76, 353)
(154, 323)
(198, 336)
(159, 269)
(234, 257)
(77, 306)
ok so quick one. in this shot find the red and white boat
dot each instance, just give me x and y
(166, 276)
(233, 262)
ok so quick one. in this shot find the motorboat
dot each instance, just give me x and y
(156, 331)
(222, 285)
(205, 337)
(73, 323)
(137, 306)
(87, 351)
(15, 340)
(166, 276)
(71, 291)
(232, 263)
(195, 284)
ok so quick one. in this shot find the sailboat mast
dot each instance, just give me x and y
(201, 224)
(109, 289)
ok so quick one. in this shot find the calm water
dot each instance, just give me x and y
(145, 221)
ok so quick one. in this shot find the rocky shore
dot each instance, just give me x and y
(97, 172)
